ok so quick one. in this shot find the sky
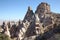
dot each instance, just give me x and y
(16, 9)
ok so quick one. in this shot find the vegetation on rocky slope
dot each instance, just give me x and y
(4, 37)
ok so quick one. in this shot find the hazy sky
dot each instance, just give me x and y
(16, 9)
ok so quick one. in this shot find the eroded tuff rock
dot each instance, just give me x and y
(43, 22)
(45, 16)
(43, 8)
(41, 25)
(28, 15)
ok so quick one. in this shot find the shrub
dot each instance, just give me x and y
(4, 37)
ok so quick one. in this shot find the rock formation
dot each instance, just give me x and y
(41, 25)
(43, 8)
(28, 15)
(43, 21)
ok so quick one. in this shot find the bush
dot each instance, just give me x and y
(4, 37)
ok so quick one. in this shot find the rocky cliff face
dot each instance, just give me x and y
(44, 14)
(43, 21)
(43, 8)
(39, 25)
(28, 15)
